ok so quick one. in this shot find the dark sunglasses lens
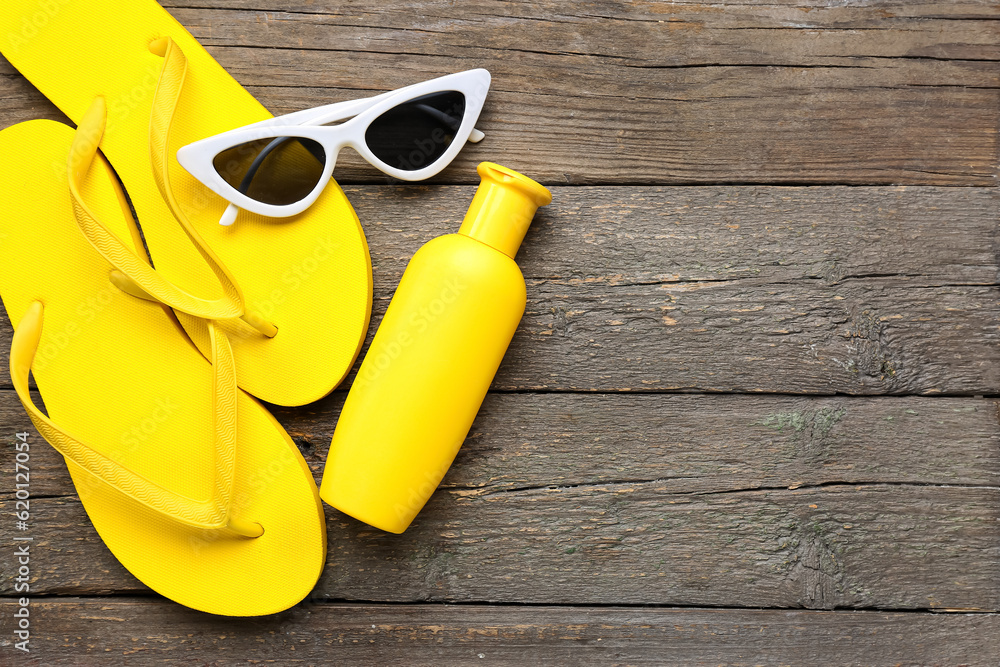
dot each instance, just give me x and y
(417, 132)
(275, 170)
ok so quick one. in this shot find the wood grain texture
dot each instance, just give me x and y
(697, 443)
(834, 491)
(652, 499)
(875, 546)
(642, 92)
(750, 289)
(148, 632)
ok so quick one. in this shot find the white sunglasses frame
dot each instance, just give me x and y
(198, 157)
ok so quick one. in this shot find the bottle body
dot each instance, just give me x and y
(423, 380)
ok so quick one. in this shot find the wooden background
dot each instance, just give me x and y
(751, 414)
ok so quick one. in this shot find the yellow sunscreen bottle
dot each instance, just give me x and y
(433, 358)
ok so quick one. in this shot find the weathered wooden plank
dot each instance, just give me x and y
(620, 236)
(858, 339)
(94, 632)
(699, 443)
(885, 546)
(706, 443)
(816, 289)
(643, 92)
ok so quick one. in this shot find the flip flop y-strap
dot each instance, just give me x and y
(165, 98)
(213, 513)
(133, 274)
(125, 260)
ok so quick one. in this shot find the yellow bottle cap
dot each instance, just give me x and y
(503, 207)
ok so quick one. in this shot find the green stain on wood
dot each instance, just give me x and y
(826, 419)
(820, 422)
(779, 421)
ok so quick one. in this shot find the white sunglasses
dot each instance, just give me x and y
(278, 167)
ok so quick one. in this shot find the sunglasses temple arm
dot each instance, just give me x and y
(475, 136)
(229, 216)
(259, 160)
(341, 110)
(332, 112)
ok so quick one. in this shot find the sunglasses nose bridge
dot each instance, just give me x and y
(351, 140)
(333, 150)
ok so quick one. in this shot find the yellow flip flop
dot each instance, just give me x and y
(189, 481)
(300, 287)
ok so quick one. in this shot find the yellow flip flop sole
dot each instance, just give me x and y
(190, 482)
(308, 275)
